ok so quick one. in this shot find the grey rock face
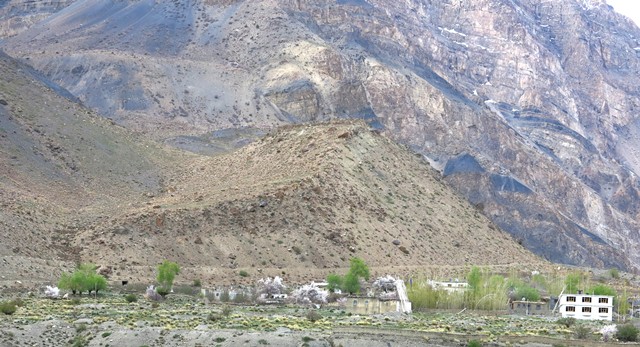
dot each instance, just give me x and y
(543, 97)
(19, 15)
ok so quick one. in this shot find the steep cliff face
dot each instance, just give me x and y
(542, 97)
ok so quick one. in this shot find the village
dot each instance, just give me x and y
(481, 306)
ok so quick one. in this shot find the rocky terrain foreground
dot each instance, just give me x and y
(529, 108)
(188, 321)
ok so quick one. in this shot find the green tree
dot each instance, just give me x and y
(167, 272)
(351, 283)
(84, 278)
(95, 282)
(603, 289)
(474, 278)
(529, 293)
(623, 305)
(358, 268)
(572, 283)
(334, 282)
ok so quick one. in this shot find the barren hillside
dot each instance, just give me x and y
(542, 94)
(301, 201)
(303, 198)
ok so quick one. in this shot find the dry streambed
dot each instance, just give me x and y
(184, 320)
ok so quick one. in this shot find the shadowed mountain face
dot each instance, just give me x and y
(530, 107)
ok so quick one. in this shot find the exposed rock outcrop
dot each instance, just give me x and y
(542, 95)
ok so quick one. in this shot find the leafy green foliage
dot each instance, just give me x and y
(581, 332)
(334, 282)
(243, 273)
(622, 304)
(474, 343)
(567, 321)
(528, 293)
(602, 289)
(131, 298)
(474, 277)
(351, 283)
(8, 307)
(627, 333)
(358, 268)
(84, 278)
(572, 283)
(167, 272)
(489, 293)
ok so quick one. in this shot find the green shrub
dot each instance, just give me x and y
(226, 310)
(106, 334)
(243, 273)
(214, 317)
(334, 282)
(614, 273)
(263, 342)
(474, 343)
(8, 307)
(627, 333)
(581, 332)
(131, 297)
(197, 283)
(78, 341)
(81, 328)
(220, 339)
(567, 321)
(313, 316)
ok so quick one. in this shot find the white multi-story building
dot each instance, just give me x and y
(585, 306)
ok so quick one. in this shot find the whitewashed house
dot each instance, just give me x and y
(450, 286)
(587, 307)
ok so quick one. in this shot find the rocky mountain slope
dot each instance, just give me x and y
(60, 166)
(529, 108)
(301, 201)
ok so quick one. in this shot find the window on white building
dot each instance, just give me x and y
(570, 309)
(603, 310)
(586, 299)
(586, 309)
(603, 300)
(571, 298)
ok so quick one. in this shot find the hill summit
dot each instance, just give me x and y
(302, 201)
